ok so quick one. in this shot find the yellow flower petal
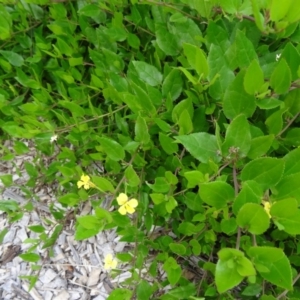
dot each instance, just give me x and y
(79, 184)
(129, 208)
(122, 210)
(133, 203)
(122, 199)
(110, 262)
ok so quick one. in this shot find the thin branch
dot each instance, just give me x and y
(288, 125)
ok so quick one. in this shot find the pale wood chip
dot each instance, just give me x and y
(48, 276)
(94, 277)
(33, 292)
(63, 295)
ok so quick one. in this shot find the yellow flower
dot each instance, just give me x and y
(109, 262)
(85, 181)
(126, 206)
(267, 206)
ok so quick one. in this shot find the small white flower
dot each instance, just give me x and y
(278, 56)
(53, 138)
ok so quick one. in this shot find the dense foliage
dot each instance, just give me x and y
(177, 115)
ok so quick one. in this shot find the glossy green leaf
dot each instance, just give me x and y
(281, 77)
(237, 137)
(253, 218)
(266, 171)
(148, 73)
(237, 101)
(293, 12)
(216, 193)
(112, 148)
(202, 146)
(196, 59)
(254, 78)
(277, 266)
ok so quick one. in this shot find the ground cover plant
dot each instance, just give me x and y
(190, 109)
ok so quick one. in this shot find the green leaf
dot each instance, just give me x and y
(173, 270)
(292, 57)
(187, 228)
(141, 131)
(288, 187)
(237, 137)
(89, 10)
(168, 144)
(293, 12)
(161, 185)
(251, 192)
(196, 59)
(112, 149)
(266, 171)
(6, 179)
(103, 184)
(120, 294)
(216, 193)
(88, 222)
(274, 122)
(172, 85)
(202, 146)
(144, 290)
(148, 73)
(286, 213)
(70, 199)
(279, 9)
(131, 177)
(226, 273)
(166, 41)
(194, 178)
(254, 78)
(292, 162)
(237, 101)
(254, 218)
(31, 257)
(259, 146)
(293, 137)
(13, 58)
(245, 50)
(183, 292)
(37, 228)
(177, 248)
(278, 265)
(281, 77)
(185, 123)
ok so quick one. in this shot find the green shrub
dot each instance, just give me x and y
(191, 107)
